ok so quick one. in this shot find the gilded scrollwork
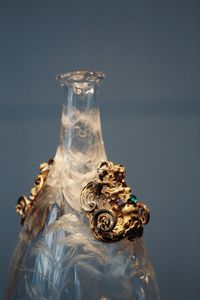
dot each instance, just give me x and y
(24, 204)
(113, 211)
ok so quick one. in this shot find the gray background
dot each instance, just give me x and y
(150, 51)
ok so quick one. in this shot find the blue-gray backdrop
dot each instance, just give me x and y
(150, 107)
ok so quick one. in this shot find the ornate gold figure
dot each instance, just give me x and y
(113, 211)
(25, 204)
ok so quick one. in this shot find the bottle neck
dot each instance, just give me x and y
(81, 136)
(81, 148)
(81, 141)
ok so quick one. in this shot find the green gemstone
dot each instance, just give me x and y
(133, 198)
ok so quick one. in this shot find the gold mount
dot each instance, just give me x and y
(113, 211)
(24, 203)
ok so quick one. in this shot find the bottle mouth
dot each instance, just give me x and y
(80, 77)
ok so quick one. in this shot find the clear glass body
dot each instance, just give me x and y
(57, 256)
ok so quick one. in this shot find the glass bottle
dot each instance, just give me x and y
(57, 257)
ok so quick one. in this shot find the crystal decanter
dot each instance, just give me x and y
(57, 256)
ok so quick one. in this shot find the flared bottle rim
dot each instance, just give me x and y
(80, 77)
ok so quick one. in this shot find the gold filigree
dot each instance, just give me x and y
(113, 211)
(24, 203)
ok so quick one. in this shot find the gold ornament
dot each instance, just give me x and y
(25, 204)
(113, 211)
